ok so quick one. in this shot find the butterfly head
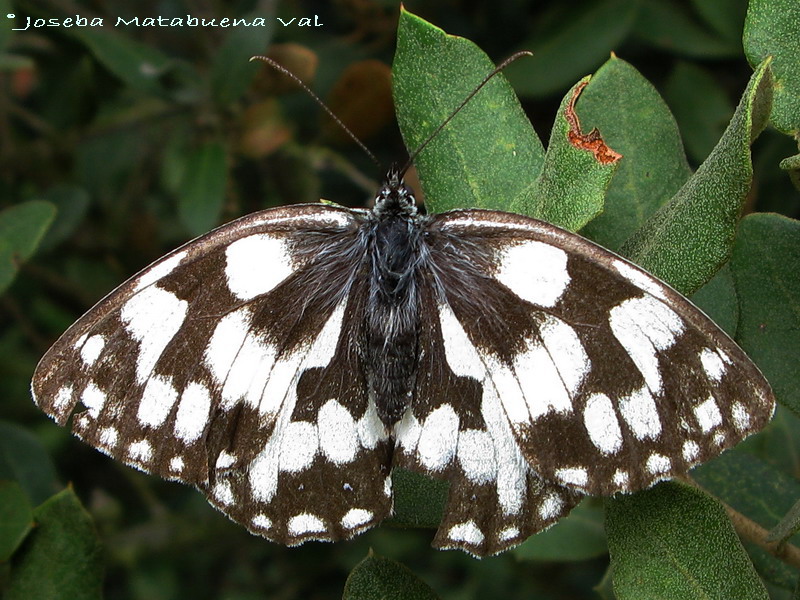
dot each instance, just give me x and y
(394, 196)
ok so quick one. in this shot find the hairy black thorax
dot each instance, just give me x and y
(391, 321)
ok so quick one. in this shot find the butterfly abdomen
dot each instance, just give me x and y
(391, 327)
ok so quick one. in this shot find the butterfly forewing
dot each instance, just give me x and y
(610, 379)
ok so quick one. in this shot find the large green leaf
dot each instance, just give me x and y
(62, 557)
(488, 155)
(718, 300)
(578, 165)
(21, 229)
(573, 48)
(673, 541)
(758, 491)
(701, 107)
(202, 192)
(380, 578)
(772, 29)
(691, 237)
(667, 25)
(635, 122)
(764, 267)
(138, 64)
(24, 459)
(419, 501)
(578, 536)
(16, 517)
(232, 72)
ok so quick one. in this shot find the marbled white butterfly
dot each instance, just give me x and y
(286, 362)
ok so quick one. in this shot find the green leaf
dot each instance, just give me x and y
(16, 518)
(579, 536)
(635, 122)
(203, 190)
(787, 526)
(792, 164)
(700, 105)
(24, 460)
(6, 32)
(380, 578)
(764, 266)
(758, 491)
(139, 65)
(418, 500)
(571, 188)
(719, 301)
(691, 237)
(725, 17)
(232, 72)
(605, 589)
(667, 25)
(673, 541)
(21, 229)
(488, 155)
(772, 29)
(62, 557)
(71, 203)
(577, 46)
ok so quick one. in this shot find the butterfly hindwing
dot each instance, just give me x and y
(610, 379)
(323, 473)
(455, 429)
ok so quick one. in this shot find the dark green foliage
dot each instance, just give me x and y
(119, 143)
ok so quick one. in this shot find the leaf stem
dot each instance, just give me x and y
(751, 531)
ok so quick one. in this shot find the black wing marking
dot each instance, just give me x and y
(610, 379)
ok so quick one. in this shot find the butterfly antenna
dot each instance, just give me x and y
(278, 67)
(486, 79)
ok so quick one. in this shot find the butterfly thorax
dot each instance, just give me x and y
(392, 317)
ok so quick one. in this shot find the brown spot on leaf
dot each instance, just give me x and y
(592, 141)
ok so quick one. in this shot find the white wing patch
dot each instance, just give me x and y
(577, 476)
(158, 398)
(466, 532)
(160, 270)
(645, 326)
(91, 349)
(355, 517)
(534, 271)
(93, 398)
(193, 412)
(640, 279)
(438, 438)
(299, 446)
(337, 432)
(641, 414)
(501, 461)
(708, 415)
(256, 264)
(305, 523)
(293, 445)
(713, 364)
(602, 424)
(476, 455)
(152, 317)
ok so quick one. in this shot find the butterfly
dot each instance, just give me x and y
(285, 363)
